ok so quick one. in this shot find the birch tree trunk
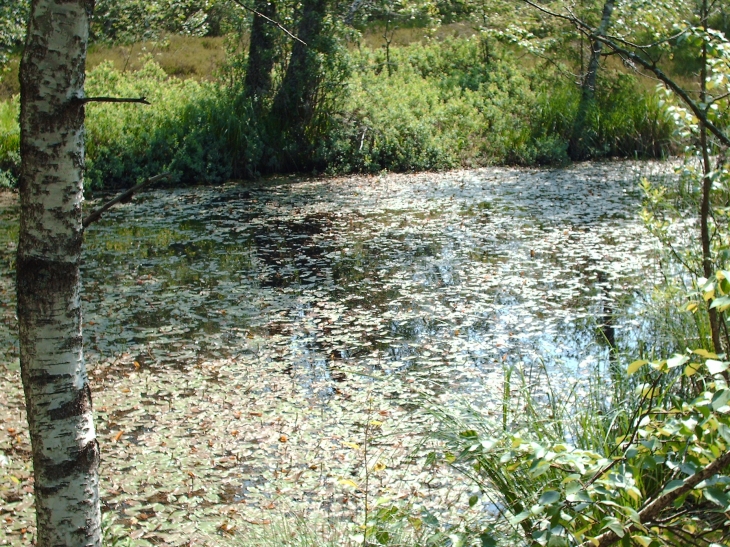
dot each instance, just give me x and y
(57, 395)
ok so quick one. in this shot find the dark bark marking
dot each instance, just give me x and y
(84, 461)
(80, 404)
(52, 277)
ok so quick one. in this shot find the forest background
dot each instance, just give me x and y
(403, 87)
(392, 86)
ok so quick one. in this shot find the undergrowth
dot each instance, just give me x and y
(441, 107)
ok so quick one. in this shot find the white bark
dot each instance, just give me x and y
(58, 400)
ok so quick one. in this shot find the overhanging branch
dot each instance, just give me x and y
(96, 215)
(671, 84)
(270, 20)
(613, 43)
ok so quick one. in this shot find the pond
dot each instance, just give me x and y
(254, 349)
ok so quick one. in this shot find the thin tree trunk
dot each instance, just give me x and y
(708, 265)
(57, 395)
(577, 146)
(294, 106)
(261, 51)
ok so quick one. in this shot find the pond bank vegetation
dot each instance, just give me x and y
(441, 107)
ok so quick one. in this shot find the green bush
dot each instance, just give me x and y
(441, 107)
(201, 132)
(9, 143)
(650, 468)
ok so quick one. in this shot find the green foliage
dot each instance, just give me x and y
(441, 107)
(200, 131)
(9, 143)
(13, 17)
(557, 492)
(130, 21)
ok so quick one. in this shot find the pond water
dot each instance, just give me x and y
(253, 349)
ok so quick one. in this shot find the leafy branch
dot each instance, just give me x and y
(652, 510)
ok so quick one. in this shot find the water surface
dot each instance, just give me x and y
(248, 343)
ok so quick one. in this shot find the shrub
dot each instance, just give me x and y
(441, 107)
(9, 143)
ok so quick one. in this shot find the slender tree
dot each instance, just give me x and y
(57, 395)
(261, 51)
(295, 101)
(577, 144)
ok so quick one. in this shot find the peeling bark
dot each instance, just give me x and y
(57, 394)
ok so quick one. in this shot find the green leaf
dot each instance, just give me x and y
(722, 302)
(636, 365)
(642, 540)
(720, 399)
(549, 497)
(717, 496)
(519, 518)
(487, 540)
(671, 486)
(613, 524)
(717, 367)
(430, 519)
(677, 360)
(473, 500)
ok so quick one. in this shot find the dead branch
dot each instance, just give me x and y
(142, 100)
(96, 215)
(270, 20)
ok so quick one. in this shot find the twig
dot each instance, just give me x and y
(611, 42)
(647, 514)
(85, 100)
(96, 215)
(270, 20)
